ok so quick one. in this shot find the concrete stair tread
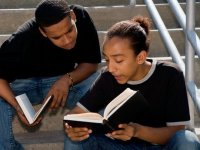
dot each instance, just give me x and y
(33, 3)
(157, 48)
(54, 136)
(100, 15)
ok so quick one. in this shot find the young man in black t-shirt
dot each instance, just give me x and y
(162, 125)
(48, 55)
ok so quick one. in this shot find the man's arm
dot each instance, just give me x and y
(61, 87)
(82, 71)
(7, 94)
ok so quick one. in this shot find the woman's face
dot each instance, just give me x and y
(121, 60)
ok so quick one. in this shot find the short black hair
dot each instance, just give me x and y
(49, 12)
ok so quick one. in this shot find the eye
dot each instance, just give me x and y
(119, 61)
(56, 38)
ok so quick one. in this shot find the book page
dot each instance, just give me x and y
(26, 107)
(85, 117)
(42, 108)
(118, 102)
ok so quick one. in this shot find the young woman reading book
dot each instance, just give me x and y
(163, 125)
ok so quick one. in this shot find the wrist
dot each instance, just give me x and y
(69, 77)
(135, 127)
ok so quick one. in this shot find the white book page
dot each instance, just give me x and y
(42, 108)
(85, 117)
(118, 102)
(26, 107)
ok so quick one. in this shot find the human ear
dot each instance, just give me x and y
(42, 32)
(141, 57)
(73, 16)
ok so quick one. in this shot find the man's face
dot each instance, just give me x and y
(63, 34)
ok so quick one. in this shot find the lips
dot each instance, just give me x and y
(69, 46)
(117, 77)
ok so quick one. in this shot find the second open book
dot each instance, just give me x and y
(28, 110)
(126, 107)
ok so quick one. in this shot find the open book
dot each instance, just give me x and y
(27, 108)
(126, 107)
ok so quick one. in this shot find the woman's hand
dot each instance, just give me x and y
(125, 132)
(77, 134)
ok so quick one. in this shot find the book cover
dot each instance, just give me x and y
(27, 108)
(126, 107)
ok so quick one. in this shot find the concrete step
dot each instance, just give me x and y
(51, 140)
(103, 17)
(161, 1)
(157, 48)
(33, 3)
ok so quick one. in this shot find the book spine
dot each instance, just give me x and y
(108, 125)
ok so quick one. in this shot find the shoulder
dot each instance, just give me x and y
(28, 26)
(24, 34)
(168, 67)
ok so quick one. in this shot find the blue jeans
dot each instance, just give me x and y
(36, 89)
(182, 140)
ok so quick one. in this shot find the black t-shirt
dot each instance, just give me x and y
(163, 87)
(29, 54)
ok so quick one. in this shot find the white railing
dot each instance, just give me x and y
(192, 42)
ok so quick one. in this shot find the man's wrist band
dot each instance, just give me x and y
(70, 77)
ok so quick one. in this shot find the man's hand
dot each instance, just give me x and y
(77, 134)
(59, 90)
(23, 118)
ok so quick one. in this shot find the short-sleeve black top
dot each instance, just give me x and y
(163, 87)
(29, 54)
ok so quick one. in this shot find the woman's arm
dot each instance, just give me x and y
(153, 135)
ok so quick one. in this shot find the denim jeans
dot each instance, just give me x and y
(182, 140)
(36, 89)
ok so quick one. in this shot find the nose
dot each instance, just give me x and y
(66, 39)
(111, 67)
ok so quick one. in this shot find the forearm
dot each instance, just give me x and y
(6, 93)
(156, 135)
(81, 72)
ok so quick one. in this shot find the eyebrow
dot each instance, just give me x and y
(70, 28)
(115, 55)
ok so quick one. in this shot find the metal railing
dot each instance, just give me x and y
(192, 45)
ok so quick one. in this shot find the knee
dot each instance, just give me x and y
(184, 140)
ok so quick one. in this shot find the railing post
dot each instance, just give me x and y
(189, 52)
(132, 2)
